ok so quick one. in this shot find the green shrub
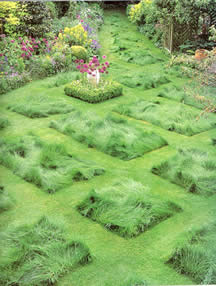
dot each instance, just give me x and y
(86, 91)
(172, 117)
(79, 52)
(36, 106)
(8, 83)
(38, 254)
(4, 122)
(5, 200)
(48, 166)
(126, 207)
(192, 169)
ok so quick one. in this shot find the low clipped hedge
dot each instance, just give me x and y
(85, 91)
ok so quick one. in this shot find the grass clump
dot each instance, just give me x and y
(171, 117)
(139, 57)
(127, 208)
(5, 200)
(111, 135)
(192, 169)
(143, 80)
(39, 106)
(197, 257)
(48, 166)
(63, 78)
(86, 91)
(37, 255)
(4, 123)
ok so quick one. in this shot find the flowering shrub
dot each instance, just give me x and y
(75, 36)
(139, 11)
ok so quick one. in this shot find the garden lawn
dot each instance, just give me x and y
(127, 232)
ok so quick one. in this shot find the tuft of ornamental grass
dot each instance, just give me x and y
(111, 135)
(63, 78)
(4, 123)
(37, 255)
(143, 80)
(5, 200)
(190, 96)
(192, 169)
(35, 106)
(196, 258)
(139, 57)
(171, 117)
(48, 166)
(127, 208)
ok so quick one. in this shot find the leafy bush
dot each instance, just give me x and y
(127, 208)
(196, 257)
(48, 166)
(5, 200)
(192, 169)
(171, 117)
(38, 254)
(4, 122)
(79, 52)
(111, 135)
(13, 81)
(83, 90)
(36, 106)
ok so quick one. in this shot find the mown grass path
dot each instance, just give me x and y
(115, 259)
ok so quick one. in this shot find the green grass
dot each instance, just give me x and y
(134, 281)
(36, 106)
(142, 80)
(196, 257)
(48, 166)
(111, 135)
(41, 256)
(63, 78)
(127, 208)
(4, 122)
(177, 118)
(190, 168)
(6, 201)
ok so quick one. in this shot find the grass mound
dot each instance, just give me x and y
(63, 78)
(190, 96)
(111, 135)
(139, 57)
(143, 80)
(85, 91)
(4, 123)
(48, 166)
(192, 169)
(135, 282)
(39, 106)
(176, 118)
(38, 254)
(197, 257)
(127, 208)
(5, 200)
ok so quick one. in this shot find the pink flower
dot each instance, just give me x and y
(38, 42)
(1, 55)
(23, 55)
(106, 63)
(20, 38)
(76, 61)
(78, 67)
(104, 57)
(6, 72)
(81, 61)
(81, 21)
(78, 16)
(12, 41)
(89, 72)
(85, 66)
(35, 46)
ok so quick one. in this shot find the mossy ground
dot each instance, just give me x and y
(115, 260)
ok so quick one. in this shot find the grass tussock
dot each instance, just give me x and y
(37, 255)
(5, 200)
(48, 166)
(134, 281)
(35, 106)
(197, 257)
(63, 78)
(190, 95)
(143, 80)
(4, 122)
(192, 169)
(111, 135)
(177, 118)
(127, 208)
